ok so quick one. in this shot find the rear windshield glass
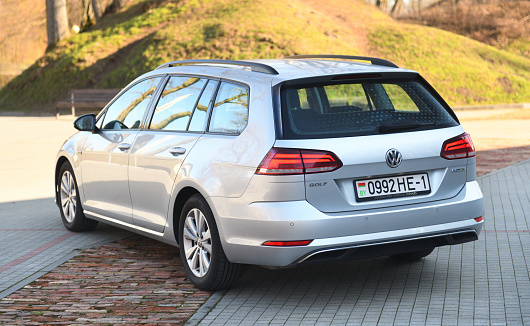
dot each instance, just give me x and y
(367, 108)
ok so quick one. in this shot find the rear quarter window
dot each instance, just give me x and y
(230, 109)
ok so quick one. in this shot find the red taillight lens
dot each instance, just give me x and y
(282, 161)
(297, 161)
(478, 219)
(287, 243)
(458, 147)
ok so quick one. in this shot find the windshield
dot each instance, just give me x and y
(364, 108)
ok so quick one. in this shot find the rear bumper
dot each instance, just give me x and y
(346, 235)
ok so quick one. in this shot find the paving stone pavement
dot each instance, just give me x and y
(482, 283)
(485, 282)
(131, 281)
(34, 241)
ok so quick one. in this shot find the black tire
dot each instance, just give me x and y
(413, 255)
(221, 273)
(69, 203)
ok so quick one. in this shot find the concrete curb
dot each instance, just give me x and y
(208, 306)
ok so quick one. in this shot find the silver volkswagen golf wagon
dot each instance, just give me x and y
(282, 162)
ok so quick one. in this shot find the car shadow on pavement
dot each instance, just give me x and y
(358, 285)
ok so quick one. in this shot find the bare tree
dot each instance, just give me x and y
(56, 21)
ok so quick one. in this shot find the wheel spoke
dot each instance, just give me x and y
(207, 247)
(71, 183)
(206, 237)
(205, 261)
(189, 235)
(190, 252)
(67, 210)
(194, 263)
(191, 225)
(64, 190)
(201, 263)
(200, 223)
(64, 183)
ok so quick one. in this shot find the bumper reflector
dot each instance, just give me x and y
(287, 243)
(478, 219)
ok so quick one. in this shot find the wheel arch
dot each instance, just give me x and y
(60, 161)
(181, 198)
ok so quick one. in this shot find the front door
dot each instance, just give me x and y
(105, 154)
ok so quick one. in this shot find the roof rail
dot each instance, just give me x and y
(374, 61)
(254, 66)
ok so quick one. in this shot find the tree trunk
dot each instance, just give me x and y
(382, 4)
(118, 4)
(396, 9)
(96, 7)
(56, 21)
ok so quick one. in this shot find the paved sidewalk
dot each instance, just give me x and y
(481, 283)
(34, 241)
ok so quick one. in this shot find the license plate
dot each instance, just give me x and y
(392, 187)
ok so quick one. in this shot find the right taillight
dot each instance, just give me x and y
(282, 161)
(458, 147)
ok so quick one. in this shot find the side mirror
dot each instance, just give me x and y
(86, 122)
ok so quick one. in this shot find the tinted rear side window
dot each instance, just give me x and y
(368, 108)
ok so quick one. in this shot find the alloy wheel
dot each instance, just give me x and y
(68, 196)
(197, 242)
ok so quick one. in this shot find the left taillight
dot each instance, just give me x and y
(284, 161)
(458, 147)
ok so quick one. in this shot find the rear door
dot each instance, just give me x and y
(177, 122)
(388, 134)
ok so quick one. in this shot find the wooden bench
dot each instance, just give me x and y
(94, 99)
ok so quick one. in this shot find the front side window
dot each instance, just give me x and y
(128, 110)
(230, 110)
(176, 103)
(365, 108)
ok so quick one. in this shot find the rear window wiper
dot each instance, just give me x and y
(390, 127)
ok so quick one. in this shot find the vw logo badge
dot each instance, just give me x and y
(393, 158)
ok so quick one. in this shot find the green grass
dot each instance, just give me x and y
(464, 71)
(150, 32)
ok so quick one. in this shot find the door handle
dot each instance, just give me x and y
(177, 150)
(124, 146)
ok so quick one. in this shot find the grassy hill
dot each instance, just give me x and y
(150, 32)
